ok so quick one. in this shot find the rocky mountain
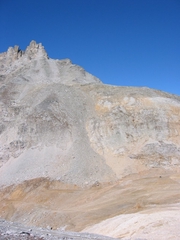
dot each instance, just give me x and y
(33, 66)
(62, 128)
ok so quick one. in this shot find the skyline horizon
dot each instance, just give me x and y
(23, 50)
(123, 43)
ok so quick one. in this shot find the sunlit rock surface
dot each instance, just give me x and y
(62, 129)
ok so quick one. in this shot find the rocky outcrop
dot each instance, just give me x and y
(9, 58)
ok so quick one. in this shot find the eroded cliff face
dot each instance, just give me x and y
(135, 129)
(62, 123)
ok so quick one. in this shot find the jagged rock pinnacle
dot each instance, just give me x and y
(32, 51)
(14, 53)
(35, 49)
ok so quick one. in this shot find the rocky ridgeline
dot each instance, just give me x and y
(33, 65)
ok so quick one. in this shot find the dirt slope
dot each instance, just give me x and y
(40, 202)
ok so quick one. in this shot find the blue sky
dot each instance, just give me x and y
(123, 42)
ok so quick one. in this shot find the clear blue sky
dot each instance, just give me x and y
(123, 42)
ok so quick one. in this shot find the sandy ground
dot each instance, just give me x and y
(142, 206)
(155, 224)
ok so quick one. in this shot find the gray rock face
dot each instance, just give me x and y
(60, 122)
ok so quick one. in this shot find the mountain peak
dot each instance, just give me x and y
(35, 49)
(35, 66)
